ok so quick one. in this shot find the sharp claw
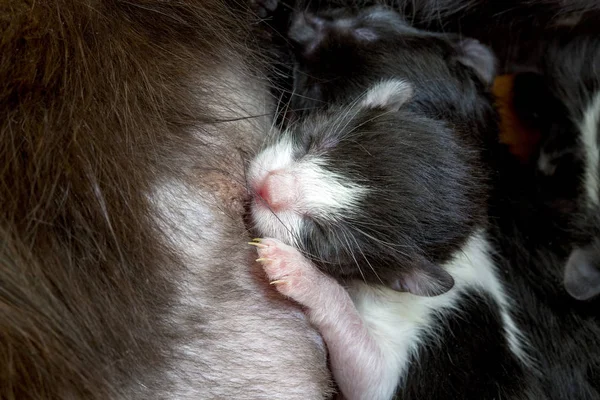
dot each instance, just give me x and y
(259, 245)
(263, 259)
(277, 282)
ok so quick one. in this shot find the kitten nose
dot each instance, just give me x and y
(277, 190)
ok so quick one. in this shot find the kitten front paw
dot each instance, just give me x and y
(288, 270)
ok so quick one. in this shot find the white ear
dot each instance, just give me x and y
(390, 95)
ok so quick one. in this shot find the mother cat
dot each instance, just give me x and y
(123, 269)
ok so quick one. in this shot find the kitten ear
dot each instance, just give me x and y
(424, 279)
(390, 95)
(479, 58)
(582, 274)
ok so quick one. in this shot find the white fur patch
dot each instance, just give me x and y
(275, 157)
(324, 193)
(398, 320)
(589, 141)
(316, 192)
(285, 224)
(390, 94)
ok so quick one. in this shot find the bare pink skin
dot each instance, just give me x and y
(356, 359)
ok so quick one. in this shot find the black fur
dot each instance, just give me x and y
(334, 63)
(557, 96)
(422, 163)
(511, 28)
(543, 219)
(468, 364)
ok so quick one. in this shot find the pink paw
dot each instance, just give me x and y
(288, 270)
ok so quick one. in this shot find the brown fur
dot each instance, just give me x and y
(101, 103)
